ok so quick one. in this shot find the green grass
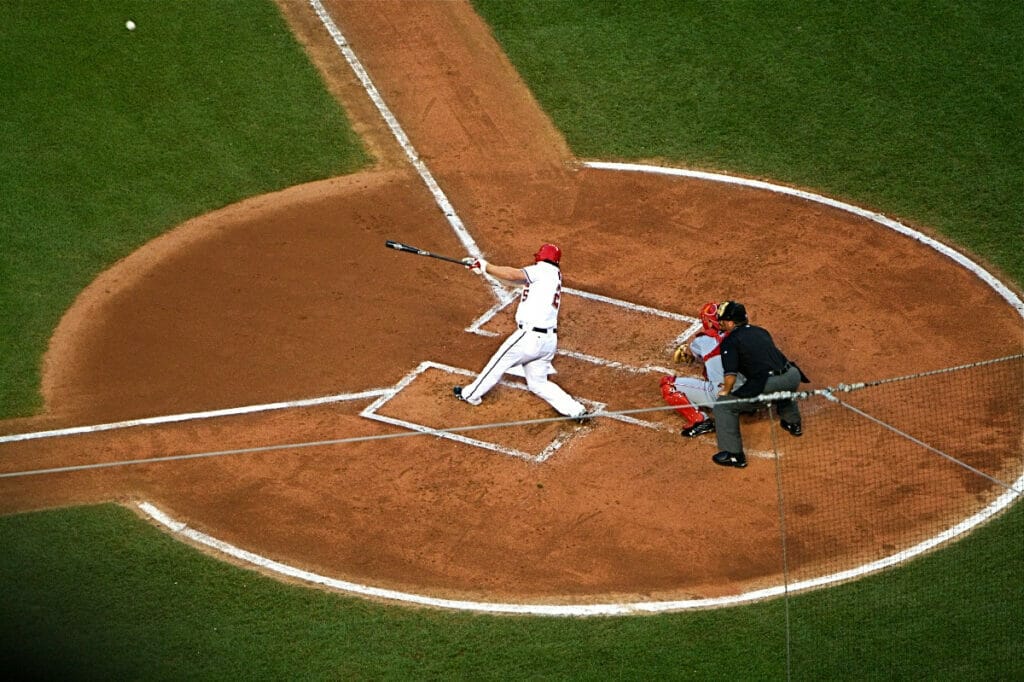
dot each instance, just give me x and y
(914, 112)
(96, 593)
(109, 138)
(910, 108)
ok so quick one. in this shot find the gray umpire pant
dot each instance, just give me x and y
(728, 410)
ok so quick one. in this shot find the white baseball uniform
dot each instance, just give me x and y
(532, 346)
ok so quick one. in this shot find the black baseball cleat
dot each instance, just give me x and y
(457, 392)
(701, 427)
(582, 418)
(728, 459)
(795, 428)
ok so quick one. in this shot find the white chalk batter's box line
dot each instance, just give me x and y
(693, 326)
(371, 412)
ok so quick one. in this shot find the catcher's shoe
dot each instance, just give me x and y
(729, 459)
(700, 428)
(795, 428)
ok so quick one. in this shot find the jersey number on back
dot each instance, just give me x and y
(556, 300)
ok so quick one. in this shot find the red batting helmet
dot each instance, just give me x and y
(709, 319)
(548, 252)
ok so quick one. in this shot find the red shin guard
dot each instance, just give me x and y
(682, 404)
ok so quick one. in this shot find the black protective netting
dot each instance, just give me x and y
(904, 473)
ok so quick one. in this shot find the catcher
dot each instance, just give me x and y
(688, 394)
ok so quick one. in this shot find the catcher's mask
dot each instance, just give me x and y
(733, 312)
(548, 252)
(709, 319)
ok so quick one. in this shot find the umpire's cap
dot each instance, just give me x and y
(732, 311)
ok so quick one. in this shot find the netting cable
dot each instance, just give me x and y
(768, 399)
(921, 443)
(780, 496)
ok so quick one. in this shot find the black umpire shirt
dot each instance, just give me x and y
(750, 351)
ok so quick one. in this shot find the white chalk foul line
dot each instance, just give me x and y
(440, 198)
(192, 416)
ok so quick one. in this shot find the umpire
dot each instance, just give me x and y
(750, 351)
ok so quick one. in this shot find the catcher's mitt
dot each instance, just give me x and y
(682, 354)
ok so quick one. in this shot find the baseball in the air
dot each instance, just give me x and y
(130, 25)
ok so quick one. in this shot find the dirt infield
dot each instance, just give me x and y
(292, 295)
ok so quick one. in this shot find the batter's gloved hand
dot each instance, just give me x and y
(682, 354)
(476, 265)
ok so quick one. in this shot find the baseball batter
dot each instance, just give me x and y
(532, 346)
(690, 394)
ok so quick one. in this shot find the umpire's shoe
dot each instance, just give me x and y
(729, 459)
(700, 428)
(795, 428)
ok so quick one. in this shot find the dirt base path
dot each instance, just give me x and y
(292, 295)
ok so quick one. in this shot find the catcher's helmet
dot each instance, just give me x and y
(733, 312)
(709, 319)
(548, 252)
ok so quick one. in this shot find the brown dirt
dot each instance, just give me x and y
(292, 295)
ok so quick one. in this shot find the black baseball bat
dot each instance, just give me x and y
(399, 246)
